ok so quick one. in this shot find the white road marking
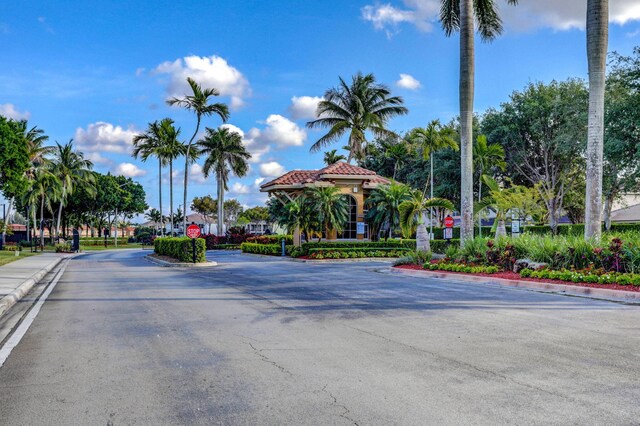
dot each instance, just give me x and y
(22, 329)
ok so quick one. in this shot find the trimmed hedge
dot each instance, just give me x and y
(100, 241)
(267, 249)
(271, 239)
(356, 253)
(180, 248)
(224, 247)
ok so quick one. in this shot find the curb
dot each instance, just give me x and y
(631, 297)
(16, 295)
(166, 264)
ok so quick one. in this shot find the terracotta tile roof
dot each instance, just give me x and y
(299, 177)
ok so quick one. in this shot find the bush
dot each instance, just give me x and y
(266, 249)
(7, 247)
(63, 247)
(461, 267)
(355, 253)
(180, 248)
(441, 246)
(225, 247)
(271, 239)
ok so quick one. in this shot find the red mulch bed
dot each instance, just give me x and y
(515, 276)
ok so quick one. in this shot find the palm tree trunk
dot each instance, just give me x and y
(608, 206)
(41, 222)
(171, 195)
(467, 70)
(160, 194)
(480, 199)
(501, 229)
(220, 205)
(423, 242)
(186, 174)
(58, 221)
(431, 208)
(597, 41)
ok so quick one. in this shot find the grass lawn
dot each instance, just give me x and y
(111, 247)
(10, 256)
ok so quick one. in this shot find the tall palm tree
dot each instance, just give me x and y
(412, 217)
(459, 15)
(486, 157)
(597, 42)
(155, 216)
(198, 102)
(330, 206)
(398, 151)
(145, 146)
(225, 153)
(73, 171)
(362, 106)
(45, 189)
(170, 148)
(383, 203)
(331, 157)
(433, 138)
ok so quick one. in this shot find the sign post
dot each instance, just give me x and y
(193, 232)
(448, 228)
(515, 226)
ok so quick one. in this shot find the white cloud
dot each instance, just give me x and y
(97, 158)
(196, 175)
(104, 137)
(239, 188)
(128, 170)
(283, 132)
(408, 82)
(271, 169)
(304, 107)
(208, 71)
(251, 141)
(10, 111)
(555, 14)
(258, 182)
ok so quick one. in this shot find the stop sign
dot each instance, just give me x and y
(193, 231)
(448, 222)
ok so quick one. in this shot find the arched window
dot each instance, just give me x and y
(350, 229)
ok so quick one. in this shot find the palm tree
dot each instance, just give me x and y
(198, 102)
(433, 138)
(597, 41)
(459, 15)
(330, 206)
(331, 157)
(155, 216)
(224, 153)
(397, 152)
(73, 171)
(168, 150)
(383, 204)
(412, 217)
(146, 145)
(46, 188)
(497, 202)
(486, 157)
(362, 106)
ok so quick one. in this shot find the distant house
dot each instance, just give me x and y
(627, 210)
(354, 182)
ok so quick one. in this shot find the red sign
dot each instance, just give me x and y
(448, 222)
(193, 231)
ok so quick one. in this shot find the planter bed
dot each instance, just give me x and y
(516, 277)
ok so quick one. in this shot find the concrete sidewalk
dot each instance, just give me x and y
(18, 278)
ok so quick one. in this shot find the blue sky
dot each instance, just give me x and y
(98, 71)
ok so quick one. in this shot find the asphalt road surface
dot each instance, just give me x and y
(268, 341)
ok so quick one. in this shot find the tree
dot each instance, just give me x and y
(331, 157)
(398, 153)
(179, 215)
(383, 203)
(232, 211)
(362, 106)
(485, 158)
(544, 128)
(147, 145)
(154, 215)
(622, 131)
(225, 153)
(459, 15)
(198, 103)
(169, 149)
(412, 216)
(597, 42)
(206, 206)
(71, 168)
(330, 206)
(431, 139)
(256, 214)
(46, 189)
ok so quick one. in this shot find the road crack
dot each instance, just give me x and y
(266, 359)
(335, 403)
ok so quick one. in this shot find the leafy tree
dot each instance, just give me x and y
(412, 216)
(383, 203)
(460, 15)
(543, 127)
(198, 102)
(362, 106)
(206, 206)
(597, 41)
(225, 153)
(330, 206)
(232, 211)
(331, 157)
(256, 214)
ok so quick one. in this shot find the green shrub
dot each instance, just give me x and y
(461, 267)
(63, 247)
(11, 248)
(266, 249)
(180, 248)
(271, 239)
(225, 247)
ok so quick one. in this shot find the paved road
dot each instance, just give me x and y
(266, 341)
